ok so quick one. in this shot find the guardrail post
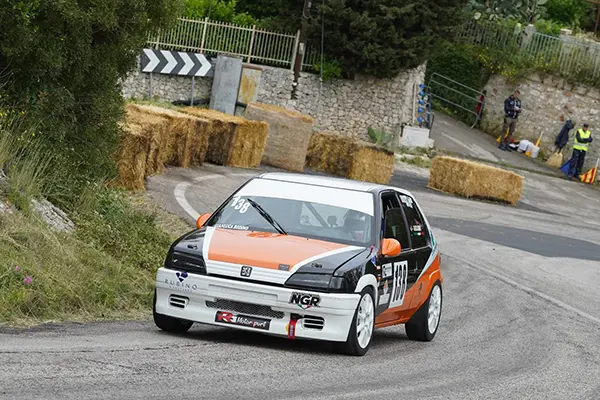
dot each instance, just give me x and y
(251, 43)
(203, 35)
(296, 41)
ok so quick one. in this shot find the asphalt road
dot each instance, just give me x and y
(521, 319)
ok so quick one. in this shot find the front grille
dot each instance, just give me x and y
(245, 308)
(178, 301)
(187, 262)
(315, 323)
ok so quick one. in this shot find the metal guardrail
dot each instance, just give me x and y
(443, 81)
(214, 37)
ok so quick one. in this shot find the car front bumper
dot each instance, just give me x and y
(253, 307)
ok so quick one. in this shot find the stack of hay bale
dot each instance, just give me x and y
(471, 179)
(289, 135)
(350, 158)
(154, 137)
(178, 139)
(233, 141)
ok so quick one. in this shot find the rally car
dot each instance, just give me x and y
(307, 257)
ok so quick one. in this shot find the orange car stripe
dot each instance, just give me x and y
(262, 249)
(414, 298)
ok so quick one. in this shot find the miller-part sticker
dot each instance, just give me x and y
(179, 283)
(242, 320)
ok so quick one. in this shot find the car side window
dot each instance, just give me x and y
(417, 228)
(394, 224)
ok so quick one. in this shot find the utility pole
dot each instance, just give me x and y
(301, 50)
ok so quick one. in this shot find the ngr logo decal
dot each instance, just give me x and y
(305, 300)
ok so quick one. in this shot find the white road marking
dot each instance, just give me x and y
(182, 187)
(475, 149)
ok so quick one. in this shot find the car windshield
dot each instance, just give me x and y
(306, 215)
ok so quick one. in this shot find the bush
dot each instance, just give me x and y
(460, 63)
(62, 63)
(219, 10)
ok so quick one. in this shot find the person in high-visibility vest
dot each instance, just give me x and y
(583, 137)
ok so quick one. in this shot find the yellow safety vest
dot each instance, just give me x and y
(584, 135)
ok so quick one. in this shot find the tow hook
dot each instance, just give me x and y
(294, 318)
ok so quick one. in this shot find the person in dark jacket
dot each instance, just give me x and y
(563, 136)
(512, 109)
(583, 137)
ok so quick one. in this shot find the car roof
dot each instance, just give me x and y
(328, 181)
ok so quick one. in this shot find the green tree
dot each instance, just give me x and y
(382, 37)
(571, 13)
(524, 11)
(219, 10)
(62, 63)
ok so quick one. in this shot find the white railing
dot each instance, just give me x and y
(213, 37)
(564, 55)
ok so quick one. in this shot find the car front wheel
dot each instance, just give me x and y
(170, 324)
(425, 322)
(362, 328)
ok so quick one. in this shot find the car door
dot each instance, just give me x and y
(394, 270)
(419, 237)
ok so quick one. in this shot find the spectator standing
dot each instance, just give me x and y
(583, 137)
(480, 106)
(512, 109)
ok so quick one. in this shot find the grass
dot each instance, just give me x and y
(104, 270)
(418, 161)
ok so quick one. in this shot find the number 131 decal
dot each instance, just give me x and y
(399, 279)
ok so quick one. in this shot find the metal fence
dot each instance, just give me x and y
(564, 55)
(255, 45)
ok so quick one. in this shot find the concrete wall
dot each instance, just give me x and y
(547, 104)
(348, 107)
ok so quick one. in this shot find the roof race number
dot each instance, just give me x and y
(240, 205)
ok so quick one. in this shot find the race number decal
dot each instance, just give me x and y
(240, 205)
(399, 278)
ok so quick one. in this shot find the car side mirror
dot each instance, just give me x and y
(390, 247)
(202, 220)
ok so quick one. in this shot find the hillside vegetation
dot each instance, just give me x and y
(61, 64)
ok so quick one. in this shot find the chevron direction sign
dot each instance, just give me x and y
(175, 63)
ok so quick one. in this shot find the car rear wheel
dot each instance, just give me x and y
(362, 328)
(170, 324)
(425, 322)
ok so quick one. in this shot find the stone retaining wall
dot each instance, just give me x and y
(348, 107)
(547, 104)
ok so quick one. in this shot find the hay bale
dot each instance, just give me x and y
(471, 179)
(288, 138)
(233, 141)
(133, 154)
(183, 141)
(349, 158)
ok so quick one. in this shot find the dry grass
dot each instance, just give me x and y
(350, 158)
(233, 141)
(289, 135)
(474, 180)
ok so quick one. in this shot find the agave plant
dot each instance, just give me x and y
(527, 11)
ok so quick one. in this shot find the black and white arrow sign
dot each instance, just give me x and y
(175, 63)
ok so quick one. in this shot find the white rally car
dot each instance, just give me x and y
(308, 257)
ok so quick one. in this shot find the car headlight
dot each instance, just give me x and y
(309, 281)
(185, 262)
(320, 282)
